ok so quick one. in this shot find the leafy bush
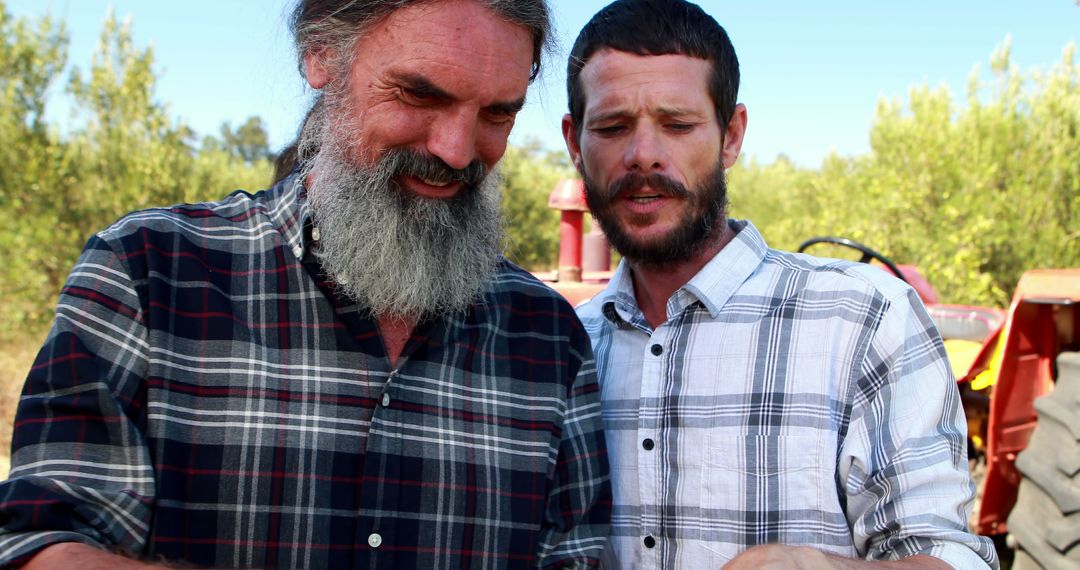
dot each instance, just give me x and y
(973, 196)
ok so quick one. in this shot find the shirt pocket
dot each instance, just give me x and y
(765, 488)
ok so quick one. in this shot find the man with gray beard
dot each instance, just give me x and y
(340, 371)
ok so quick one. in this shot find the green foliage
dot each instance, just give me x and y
(973, 196)
(529, 173)
(249, 141)
(126, 154)
(35, 160)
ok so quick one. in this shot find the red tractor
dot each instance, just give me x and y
(1018, 371)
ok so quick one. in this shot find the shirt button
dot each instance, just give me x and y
(374, 540)
(385, 400)
(649, 542)
(657, 350)
(648, 444)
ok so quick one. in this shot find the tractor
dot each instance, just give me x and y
(1018, 372)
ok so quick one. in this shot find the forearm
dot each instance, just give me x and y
(910, 563)
(784, 557)
(66, 555)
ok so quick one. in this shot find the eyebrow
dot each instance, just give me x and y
(662, 111)
(507, 107)
(423, 86)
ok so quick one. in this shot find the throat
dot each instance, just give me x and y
(395, 331)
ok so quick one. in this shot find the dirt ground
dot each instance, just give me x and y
(15, 360)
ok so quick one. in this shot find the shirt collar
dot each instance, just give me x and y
(290, 213)
(713, 286)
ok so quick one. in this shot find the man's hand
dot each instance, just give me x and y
(784, 557)
(67, 555)
(780, 557)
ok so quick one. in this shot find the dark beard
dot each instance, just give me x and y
(394, 252)
(702, 223)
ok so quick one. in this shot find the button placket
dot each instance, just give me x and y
(649, 430)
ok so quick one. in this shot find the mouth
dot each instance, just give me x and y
(430, 188)
(644, 198)
(435, 183)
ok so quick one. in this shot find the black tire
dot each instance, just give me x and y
(1045, 523)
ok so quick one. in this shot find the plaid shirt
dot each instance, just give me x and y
(204, 396)
(787, 399)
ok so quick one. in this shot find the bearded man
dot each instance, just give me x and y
(341, 371)
(763, 409)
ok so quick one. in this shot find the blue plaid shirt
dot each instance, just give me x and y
(206, 396)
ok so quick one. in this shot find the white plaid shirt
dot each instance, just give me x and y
(787, 399)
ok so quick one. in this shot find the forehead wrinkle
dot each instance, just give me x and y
(459, 66)
(618, 84)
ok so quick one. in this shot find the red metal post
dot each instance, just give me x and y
(570, 231)
(568, 197)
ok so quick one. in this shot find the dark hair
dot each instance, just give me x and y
(657, 27)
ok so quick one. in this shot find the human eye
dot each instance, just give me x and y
(418, 97)
(500, 116)
(608, 130)
(679, 127)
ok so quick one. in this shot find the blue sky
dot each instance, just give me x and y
(812, 72)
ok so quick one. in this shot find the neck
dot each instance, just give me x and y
(395, 331)
(654, 284)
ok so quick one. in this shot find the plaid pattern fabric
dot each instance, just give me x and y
(787, 399)
(204, 396)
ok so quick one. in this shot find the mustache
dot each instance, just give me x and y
(599, 199)
(408, 162)
(636, 181)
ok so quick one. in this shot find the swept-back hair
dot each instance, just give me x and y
(329, 29)
(333, 26)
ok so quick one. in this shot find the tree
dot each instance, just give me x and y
(127, 154)
(974, 196)
(36, 164)
(249, 141)
(529, 173)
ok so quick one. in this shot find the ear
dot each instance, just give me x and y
(733, 136)
(315, 69)
(570, 135)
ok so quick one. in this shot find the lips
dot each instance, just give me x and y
(429, 188)
(644, 201)
(643, 198)
(435, 183)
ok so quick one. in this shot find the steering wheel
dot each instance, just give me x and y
(867, 253)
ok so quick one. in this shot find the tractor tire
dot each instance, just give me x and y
(1045, 523)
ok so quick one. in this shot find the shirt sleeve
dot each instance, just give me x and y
(578, 513)
(904, 460)
(80, 466)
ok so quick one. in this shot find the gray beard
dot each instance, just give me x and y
(393, 252)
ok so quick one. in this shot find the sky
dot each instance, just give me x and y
(812, 72)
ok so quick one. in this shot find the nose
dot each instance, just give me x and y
(452, 137)
(645, 152)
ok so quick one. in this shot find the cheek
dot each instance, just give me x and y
(389, 126)
(491, 144)
(600, 165)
